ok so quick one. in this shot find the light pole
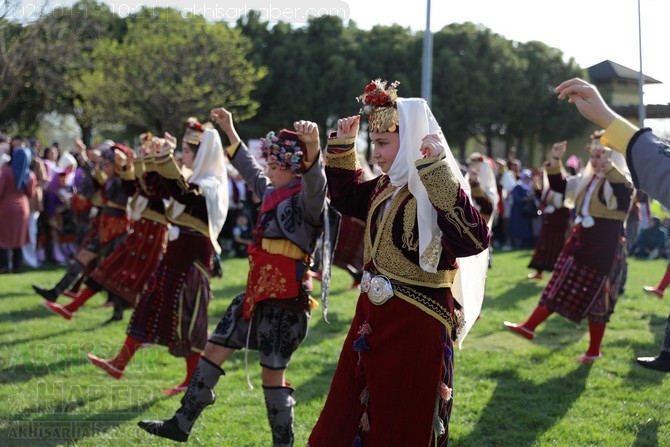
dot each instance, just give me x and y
(640, 81)
(427, 60)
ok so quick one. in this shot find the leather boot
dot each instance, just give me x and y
(279, 403)
(74, 272)
(200, 394)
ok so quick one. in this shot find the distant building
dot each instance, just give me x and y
(619, 87)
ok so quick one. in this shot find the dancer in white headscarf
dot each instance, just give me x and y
(425, 261)
(586, 280)
(172, 309)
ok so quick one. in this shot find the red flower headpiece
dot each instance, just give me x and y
(379, 103)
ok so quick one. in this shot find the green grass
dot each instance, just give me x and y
(508, 391)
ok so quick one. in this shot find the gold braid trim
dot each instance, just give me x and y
(442, 189)
(186, 220)
(431, 307)
(343, 160)
(155, 216)
(383, 190)
(385, 253)
(128, 174)
(408, 222)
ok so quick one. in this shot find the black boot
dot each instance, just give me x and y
(117, 314)
(200, 394)
(662, 362)
(74, 272)
(47, 294)
(279, 403)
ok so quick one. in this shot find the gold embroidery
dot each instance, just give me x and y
(432, 253)
(431, 307)
(409, 221)
(383, 190)
(390, 259)
(442, 189)
(345, 160)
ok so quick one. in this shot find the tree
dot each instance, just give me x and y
(43, 53)
(167, 68)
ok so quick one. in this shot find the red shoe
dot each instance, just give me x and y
(317, 276)
(70, 294)
(175, 390)
(105, 365)
(58, 309)
(585, 358)
(519, 330)
(658, 293)
(537, 275)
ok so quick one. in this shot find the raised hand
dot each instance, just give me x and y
(431, 146)
(348, 127)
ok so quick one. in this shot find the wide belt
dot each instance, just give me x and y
(377, 287)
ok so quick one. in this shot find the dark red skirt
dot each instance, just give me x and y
(172, 309)
(127, 269)
(553, 232)
(349, 248)
(374, 387)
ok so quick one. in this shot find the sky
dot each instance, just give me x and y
(590, 31)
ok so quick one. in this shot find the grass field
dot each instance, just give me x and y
(507, 391)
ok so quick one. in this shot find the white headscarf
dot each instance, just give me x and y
(417, 121)
(209, 172)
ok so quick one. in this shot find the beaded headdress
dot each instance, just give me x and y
(194, 130)
(285, 149)
(379, 103)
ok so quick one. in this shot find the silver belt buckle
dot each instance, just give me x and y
(377, 287)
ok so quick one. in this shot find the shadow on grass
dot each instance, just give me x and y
(510, 409)
(25, 314)
(34, 366)
(647, 434)
(15, 294)
(63, 421)
(511, 297)
(47, 336)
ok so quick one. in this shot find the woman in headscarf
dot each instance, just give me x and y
(172, 309)
(586, 279)
(554, 228)
(17, 185)
(422, 284)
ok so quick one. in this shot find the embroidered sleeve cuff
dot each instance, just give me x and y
(476, 190)
(618, 134)
(423, 163)
(167, 168)
(230, 150)
(345, 159)
(128, 173)
(100, 177)
(339, 145)
(553, 170)
(613, 175)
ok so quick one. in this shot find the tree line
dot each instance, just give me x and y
(152, 69)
